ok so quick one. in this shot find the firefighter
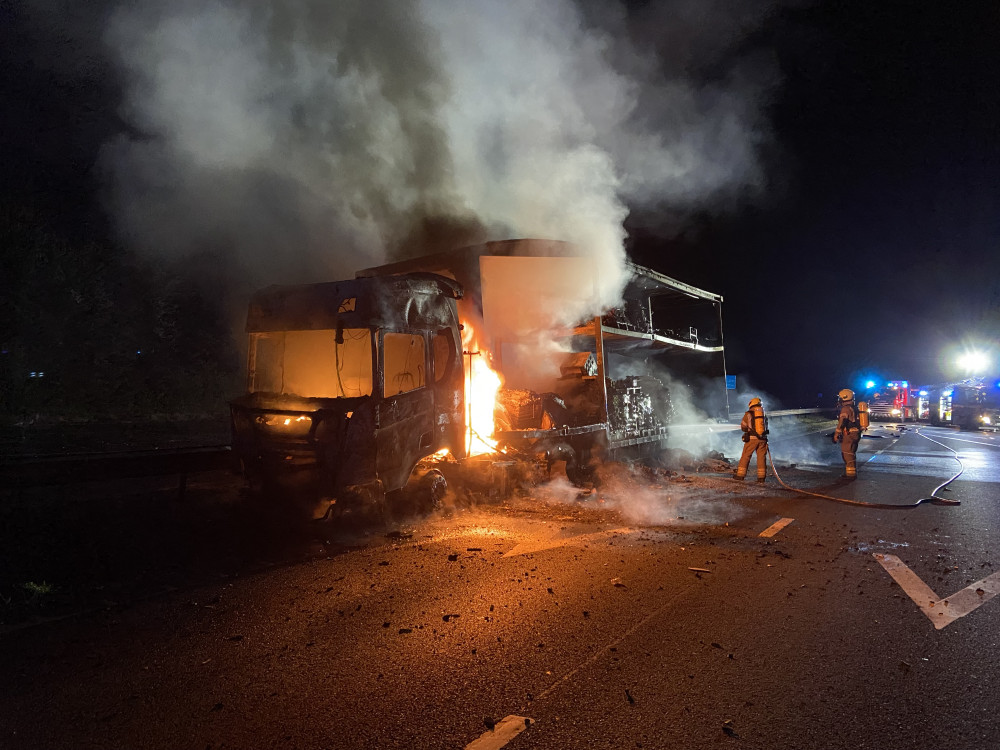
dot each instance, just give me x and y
(754, 426)
(848, 432)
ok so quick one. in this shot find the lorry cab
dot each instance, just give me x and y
(349, 385)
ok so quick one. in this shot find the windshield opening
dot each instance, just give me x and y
(311, 364)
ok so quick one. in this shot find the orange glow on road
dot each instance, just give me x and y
(481, 385)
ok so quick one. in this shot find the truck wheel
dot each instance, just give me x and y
(419, 496)
(431, 491)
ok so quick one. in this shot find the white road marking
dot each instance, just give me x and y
(775, 527)
(964, 440)
(600, 653)
(505, 730)
(554, 542)
(880, 451)
(944, 611)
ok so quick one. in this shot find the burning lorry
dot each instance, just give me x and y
(369, 389)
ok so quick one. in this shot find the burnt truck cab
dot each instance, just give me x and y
(349, 385)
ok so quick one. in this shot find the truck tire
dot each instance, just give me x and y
(420, 496)
(433, 488)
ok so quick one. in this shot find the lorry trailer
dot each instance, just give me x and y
(356, 389)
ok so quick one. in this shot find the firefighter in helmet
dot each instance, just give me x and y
(848, 432)
(754, 426)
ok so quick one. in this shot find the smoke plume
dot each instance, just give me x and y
(316, 137)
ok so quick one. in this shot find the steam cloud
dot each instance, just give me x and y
(311, 136)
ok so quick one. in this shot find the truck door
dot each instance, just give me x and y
(405, 415)
(449, 391)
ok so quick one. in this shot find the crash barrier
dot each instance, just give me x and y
(62, 469)
(784, 413)
(49, 470)
(734, 421)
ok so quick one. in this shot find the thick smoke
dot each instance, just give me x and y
(316, 137)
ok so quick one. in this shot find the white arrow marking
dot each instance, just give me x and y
(505, 730)
(945, 611)
(553, 542)
(775, 527)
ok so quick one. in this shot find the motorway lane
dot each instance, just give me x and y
(798, 640)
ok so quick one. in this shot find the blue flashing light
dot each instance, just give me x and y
(924, 393)
(947, 393)
(870, 384)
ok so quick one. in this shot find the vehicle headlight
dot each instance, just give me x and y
(986, 419)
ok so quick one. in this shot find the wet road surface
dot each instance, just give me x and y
(657, 612)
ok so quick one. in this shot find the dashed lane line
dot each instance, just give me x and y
(505, 730)
(940, 612)
(882, 450)
(775, 527)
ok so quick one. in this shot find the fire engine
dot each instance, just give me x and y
(972, 404)
(893, 402)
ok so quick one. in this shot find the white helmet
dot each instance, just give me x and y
(846, 395)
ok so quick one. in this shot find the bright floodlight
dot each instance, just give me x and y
(973, 362)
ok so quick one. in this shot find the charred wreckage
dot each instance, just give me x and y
(362, 391)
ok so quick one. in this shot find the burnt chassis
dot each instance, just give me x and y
(353, 451)
(581, 447)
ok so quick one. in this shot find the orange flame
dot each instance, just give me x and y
(481, 385)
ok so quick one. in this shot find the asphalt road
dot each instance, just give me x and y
(658, 612)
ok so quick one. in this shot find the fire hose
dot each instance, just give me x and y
(933, 498)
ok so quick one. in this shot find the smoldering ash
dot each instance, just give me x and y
(317, 137)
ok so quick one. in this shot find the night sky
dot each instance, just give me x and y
(876, 252)
(870, 249)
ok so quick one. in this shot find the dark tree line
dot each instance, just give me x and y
(90, 331)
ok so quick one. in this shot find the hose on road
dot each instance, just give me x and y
(941, 500)
(888, 506)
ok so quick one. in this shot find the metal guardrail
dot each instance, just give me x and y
(734, 421)
(49, 470)
(785, 413)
